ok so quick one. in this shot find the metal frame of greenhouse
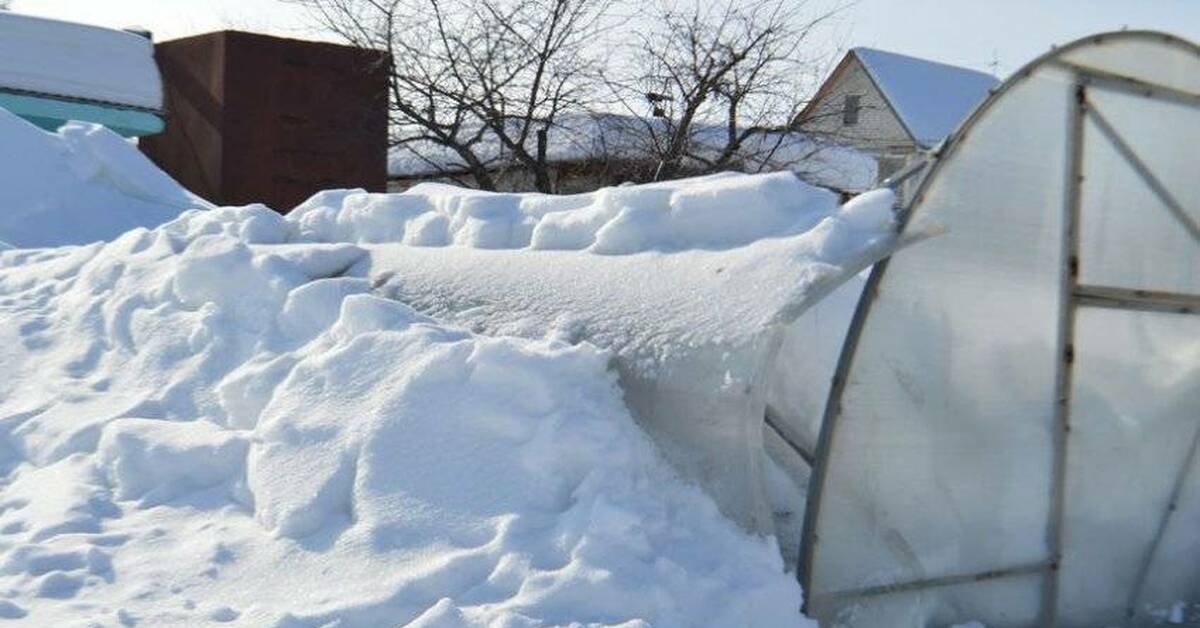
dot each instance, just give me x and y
(1040, 188)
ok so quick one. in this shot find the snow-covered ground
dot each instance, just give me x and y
(221, 419)
(199, 433)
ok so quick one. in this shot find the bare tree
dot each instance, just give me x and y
(715, 84)
(480, 80)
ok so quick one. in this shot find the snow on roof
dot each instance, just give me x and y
(77, 61)
(613, 136)
(930, 98)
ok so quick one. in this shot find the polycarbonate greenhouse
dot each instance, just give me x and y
(1012, 430)
(1010, 433)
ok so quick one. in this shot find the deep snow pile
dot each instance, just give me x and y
(226, 418)
(676, 215)
(197, 431)
(82, 184)
(692, 332)
(219, 420)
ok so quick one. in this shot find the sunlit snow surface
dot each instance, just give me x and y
(196, 432)
(80, 185)
(234, 416)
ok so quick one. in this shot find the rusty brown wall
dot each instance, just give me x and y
(253, 118)
(190, 147)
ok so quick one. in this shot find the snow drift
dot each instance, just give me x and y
(187, 414)
(678, 215)
(694, 300)
(82, 184)
(236, 416)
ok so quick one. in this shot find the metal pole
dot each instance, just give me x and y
(1164, 195)
(940, 581)
(1141, 300)
(1065, 354)
(1129, 85)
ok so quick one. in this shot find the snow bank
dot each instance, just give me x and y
(202, 423)
(82, 184)
(241, 416)
(694, 333)
(719, 211)
(157, 461)
(78, 60)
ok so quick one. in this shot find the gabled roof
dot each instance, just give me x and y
(930, 98)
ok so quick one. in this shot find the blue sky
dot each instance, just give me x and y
(976, 33)
(985, 35)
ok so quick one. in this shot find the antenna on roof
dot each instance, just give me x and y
(140, 31)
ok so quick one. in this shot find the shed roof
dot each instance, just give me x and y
(78, 61)
(930, 98)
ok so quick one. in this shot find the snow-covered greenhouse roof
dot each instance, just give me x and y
(1011, 436)
(929, 98)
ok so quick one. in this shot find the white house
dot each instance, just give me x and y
(892, 105)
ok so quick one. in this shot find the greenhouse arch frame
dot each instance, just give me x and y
(963, 475)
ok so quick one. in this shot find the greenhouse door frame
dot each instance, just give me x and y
(1073, 296)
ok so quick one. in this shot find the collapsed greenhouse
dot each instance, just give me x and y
(1010, 432)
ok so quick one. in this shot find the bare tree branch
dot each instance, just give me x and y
(479, 78)
(726, 81)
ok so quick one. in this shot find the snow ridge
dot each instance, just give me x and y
(201, 427)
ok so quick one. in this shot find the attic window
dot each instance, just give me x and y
(850, 110)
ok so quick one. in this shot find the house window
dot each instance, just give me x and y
(850, 110)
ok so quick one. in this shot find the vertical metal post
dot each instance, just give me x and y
(1065, 353)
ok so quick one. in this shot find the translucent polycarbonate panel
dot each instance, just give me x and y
(1129, 236)
(1173, 586)
(940, 461)
(1149, 57)
(798, 385)
(1007, 602)
(1135, 411)
(939, 466)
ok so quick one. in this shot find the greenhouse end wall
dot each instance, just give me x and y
(1012, 433)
